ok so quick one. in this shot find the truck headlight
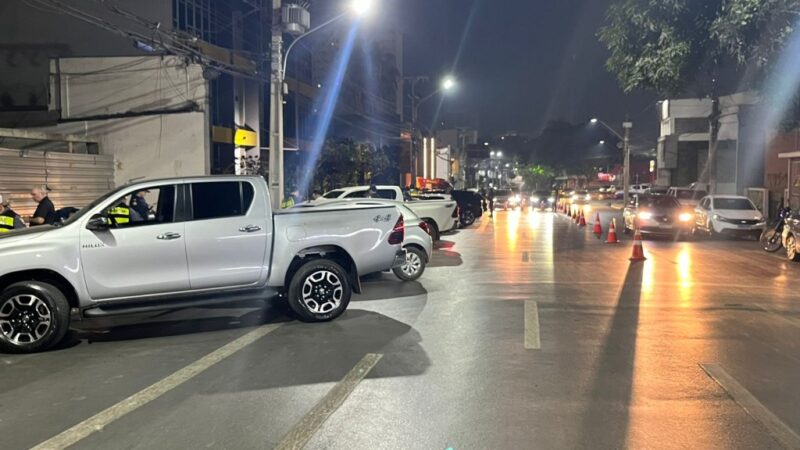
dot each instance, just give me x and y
(685, 217)
(645, 215)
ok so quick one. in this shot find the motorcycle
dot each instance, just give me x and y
(771, 238)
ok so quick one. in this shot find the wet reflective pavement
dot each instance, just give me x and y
(526, 331)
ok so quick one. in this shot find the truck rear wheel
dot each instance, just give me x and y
(34, 316)
(319, 291)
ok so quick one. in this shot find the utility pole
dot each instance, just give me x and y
(276, 186)
(626, 171)
(414, 117)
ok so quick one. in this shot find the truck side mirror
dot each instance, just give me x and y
(98, 222)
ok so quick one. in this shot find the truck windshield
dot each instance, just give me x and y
(82, 212)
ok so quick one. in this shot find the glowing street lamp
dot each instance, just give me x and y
(594, 120)
(448, 83)
(602, 142)
(362, 8)
(499, 154)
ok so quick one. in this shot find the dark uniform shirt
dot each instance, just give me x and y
(47, 211)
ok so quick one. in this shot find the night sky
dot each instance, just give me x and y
(522, 62)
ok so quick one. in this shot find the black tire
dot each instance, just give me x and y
(34, 317)
(468, 218)
(770, 240)
(312, 293)
(791, 249)
(433, 230)
(414, 257)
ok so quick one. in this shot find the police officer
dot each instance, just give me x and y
(120, 214)
(9, 220)
(139, 204)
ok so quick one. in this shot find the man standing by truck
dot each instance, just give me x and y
(9, 220)
(45, 213)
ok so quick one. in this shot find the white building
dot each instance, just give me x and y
(683, 143)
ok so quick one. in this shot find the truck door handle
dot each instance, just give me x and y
(168, 236)
(250, 229)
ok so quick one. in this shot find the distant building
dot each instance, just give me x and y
(682, 152)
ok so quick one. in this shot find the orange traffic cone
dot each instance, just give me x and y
(574, 214)
(598, 229)
(582, 220)
(612, 233)
(577, 216)
(638, 251)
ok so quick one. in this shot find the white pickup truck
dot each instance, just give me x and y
(189, 242)
(440, 215)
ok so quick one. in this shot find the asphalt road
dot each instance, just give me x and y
(525, 332)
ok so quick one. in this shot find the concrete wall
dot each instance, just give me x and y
(31, 35)
(151, 146)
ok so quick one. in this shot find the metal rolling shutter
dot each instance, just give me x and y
(74, 179)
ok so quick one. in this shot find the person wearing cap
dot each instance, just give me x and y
(9, 220)
(45, 213)
(139, 204)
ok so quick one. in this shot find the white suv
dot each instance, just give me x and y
(728, 214)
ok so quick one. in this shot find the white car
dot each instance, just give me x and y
(730, 215)
(440, 215)
(417, 241)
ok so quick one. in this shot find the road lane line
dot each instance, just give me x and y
(532, 340)
(779, 315)
(776, 427)
(152, 392)
(301, 433)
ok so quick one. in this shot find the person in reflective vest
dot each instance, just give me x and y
(9, 220)
(119, 214)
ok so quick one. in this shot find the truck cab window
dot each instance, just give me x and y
(218, 199)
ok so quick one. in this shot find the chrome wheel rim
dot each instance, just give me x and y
(412, 265)
(25, 319)
(322, 292)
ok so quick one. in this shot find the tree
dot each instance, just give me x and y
(666, 45)
(347, 163)
(537, 177)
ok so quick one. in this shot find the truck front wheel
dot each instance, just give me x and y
(319, 291)
(34, 316)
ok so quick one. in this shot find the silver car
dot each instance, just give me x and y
(417, 241)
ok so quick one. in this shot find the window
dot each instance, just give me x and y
(357, 194)
(148, 206)
(386, 193)
(741, 204)
(333, 194)
(218, 199)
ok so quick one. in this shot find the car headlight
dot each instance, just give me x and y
(534, 199)
(588, 197)
(645, 215)
(685, 217)
(551, 199)
(716, 217)
(574, 197)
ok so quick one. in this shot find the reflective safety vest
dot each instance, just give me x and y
(120, 214)
(288, 203)
(6, 222)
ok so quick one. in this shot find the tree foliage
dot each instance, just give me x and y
(537, 177)
(664, 45)
(347, 163)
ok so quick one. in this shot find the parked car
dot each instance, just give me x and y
(542, 200)
(440, 215)
(580, 197)
(470, 205)
(687, 196)
(729, 215)
(417, 241)
(210, 240)
(639, 188)
(657, 214)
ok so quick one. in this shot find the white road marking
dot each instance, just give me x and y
(773, 312)
(776, 427)
(301, 433)
(152, 392)
(532, 341)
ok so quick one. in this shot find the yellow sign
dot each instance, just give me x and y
(245, 138)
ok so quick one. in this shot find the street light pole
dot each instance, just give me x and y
(627, 167)
(276, 186)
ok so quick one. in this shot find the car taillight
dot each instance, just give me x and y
(456, 212)
(424, 227)
(398, 233)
